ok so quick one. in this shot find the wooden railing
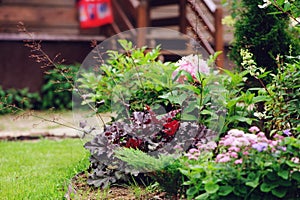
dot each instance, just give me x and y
(136, 13)
(214, 29)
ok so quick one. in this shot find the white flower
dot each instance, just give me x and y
(266, 4)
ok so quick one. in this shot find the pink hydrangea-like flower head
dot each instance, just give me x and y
(191, 64)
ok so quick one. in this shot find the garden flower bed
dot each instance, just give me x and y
(198, 133)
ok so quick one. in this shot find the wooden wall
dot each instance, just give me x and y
(55, 23)
(42, 16)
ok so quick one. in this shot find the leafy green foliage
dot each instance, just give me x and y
(12, 100)
(128, 78)
(256, 29)
(249, 171)
(281, 108)
(57, 89)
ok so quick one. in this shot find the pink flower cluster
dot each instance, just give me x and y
(194, 153)
(191, 64)
(237, 144)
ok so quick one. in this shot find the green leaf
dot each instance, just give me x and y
(203, 196)
(188, 117)
(225, 190)
(260, 99)
(191, 191)
(296, 176)
(279, 192)
(267, 187)
(211, 187)
(283, 174)
(253, 183)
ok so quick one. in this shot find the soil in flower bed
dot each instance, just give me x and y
(79, 189)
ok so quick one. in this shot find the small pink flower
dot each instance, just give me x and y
(295, 160)
(233, 154)
(236, 132)
(192, 157)
(279, 137)
(254, 129)
(274, 142)
(235, 149)
(261, 134)
(228, 141)
(239, 161)
(193, 150)
(246, 153)
(224, 159)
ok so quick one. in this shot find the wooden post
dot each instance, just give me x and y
(219, 42)
(182, 16)
(143, 18)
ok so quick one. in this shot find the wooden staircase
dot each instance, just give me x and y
(201, 19)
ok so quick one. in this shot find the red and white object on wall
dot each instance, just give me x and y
(94, 13)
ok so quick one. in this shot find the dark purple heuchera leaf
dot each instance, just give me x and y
(147, 133)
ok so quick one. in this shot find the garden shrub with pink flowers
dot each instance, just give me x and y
(200, 141)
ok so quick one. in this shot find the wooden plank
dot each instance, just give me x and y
(204, 20)
(41, 15)
(168, 21)
(121, 16)
(48, 37)
(154, 3)
(129, 7)
(70, 3)
(201, 37)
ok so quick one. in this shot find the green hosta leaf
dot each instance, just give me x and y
(188, 117)
(225, 190)
(241, 119)
(267, 187)
(203, 196)
(283, 174)
(191, 191)
(175, 98)
(279, 192)
(296, 176)
(260, 98)
(211, 187)
(253, 183)
(272, 176)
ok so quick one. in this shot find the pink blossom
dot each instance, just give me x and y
(261, 134)
(193, 150)
(236, 133)
(251, 138)
(280, 137)
(254, 129)
(192, 64)
(236, 149)
(274, 142)
(192, 157)
(295, 160)
(245, 153)
(239, 161)
(233, 154)
(224, 159)
(228, 141)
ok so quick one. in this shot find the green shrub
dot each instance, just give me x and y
(57, 89)
(265, 34)
(127, 78)
(12, 100)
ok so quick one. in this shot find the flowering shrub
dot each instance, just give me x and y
(243, 165)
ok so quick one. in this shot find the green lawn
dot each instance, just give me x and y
(39, 170)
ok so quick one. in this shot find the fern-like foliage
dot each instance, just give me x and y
(142, 161)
